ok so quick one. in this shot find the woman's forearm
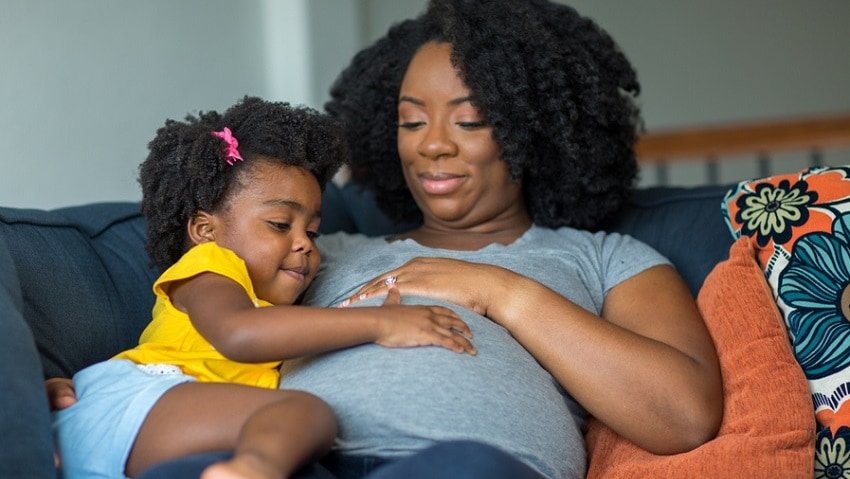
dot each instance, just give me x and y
(656, 384)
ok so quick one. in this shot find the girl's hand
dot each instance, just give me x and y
(60, 393)
(479, 287)
(414, 325)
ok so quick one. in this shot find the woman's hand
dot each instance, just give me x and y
(475, 286)
(60, 393)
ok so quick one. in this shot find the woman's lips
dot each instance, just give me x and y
(440, 184)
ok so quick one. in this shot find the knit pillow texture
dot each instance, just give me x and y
(767, 428)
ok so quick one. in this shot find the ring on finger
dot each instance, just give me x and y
(390, 280)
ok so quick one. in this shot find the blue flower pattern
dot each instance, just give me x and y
(815, 287)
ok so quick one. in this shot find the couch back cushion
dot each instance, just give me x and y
(84, 280)
(685, 224)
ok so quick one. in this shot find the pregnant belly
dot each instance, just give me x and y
(391, 402)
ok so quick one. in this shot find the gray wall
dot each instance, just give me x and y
(85, 84)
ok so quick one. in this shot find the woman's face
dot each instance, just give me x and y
(450, 161)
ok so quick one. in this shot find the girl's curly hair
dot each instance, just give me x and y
(557, 90)
(186, 170)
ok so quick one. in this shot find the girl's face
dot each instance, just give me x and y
(450, 161)
(271, 222)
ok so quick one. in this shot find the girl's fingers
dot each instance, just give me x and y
(393, 296)
(459, 341)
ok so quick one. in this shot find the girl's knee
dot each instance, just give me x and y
(309, 404)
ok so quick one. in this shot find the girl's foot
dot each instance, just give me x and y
(242, 467)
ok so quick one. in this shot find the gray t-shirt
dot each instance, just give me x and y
(391, 402)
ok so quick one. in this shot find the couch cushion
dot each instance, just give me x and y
(85, 280)
(767, 428)
(800, 225)
(352, 208)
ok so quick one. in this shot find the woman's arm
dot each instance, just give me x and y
(649, 370)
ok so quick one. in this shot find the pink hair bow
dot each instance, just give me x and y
(231, 154)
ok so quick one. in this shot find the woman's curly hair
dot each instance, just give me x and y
(186, 170)
(557, 90)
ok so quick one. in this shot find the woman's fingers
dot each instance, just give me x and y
(376, 287)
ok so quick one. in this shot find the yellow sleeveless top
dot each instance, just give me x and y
(170, 338)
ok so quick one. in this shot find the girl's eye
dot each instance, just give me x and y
(279, 226)
(313, 235)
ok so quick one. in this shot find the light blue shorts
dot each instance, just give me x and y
(95, 435)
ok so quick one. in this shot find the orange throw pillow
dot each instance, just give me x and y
(768, 428)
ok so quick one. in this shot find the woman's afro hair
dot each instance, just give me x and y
(557, 90)
(186, 170)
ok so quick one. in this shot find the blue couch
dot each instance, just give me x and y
(75, 289)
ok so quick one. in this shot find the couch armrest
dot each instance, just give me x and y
(26, 443)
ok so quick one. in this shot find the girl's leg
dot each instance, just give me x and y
(268, 429)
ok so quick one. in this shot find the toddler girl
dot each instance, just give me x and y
(233, 204)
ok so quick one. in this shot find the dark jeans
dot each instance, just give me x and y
(448, 460)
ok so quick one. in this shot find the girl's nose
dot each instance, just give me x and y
(302, 243)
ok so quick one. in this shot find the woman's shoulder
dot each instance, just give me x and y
(568, 238)
(568, 235)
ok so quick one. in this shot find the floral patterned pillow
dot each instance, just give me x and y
(800, 225)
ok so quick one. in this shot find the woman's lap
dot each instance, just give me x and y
(457, 460)
(448, 460)
(190, 467)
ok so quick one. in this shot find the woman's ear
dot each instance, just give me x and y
(200, 228)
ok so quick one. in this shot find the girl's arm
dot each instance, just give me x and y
(223, 313)
(647, 367)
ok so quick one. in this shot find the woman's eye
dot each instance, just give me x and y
(410, 125)
(471, 125)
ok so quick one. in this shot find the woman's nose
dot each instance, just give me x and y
(437, 143)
